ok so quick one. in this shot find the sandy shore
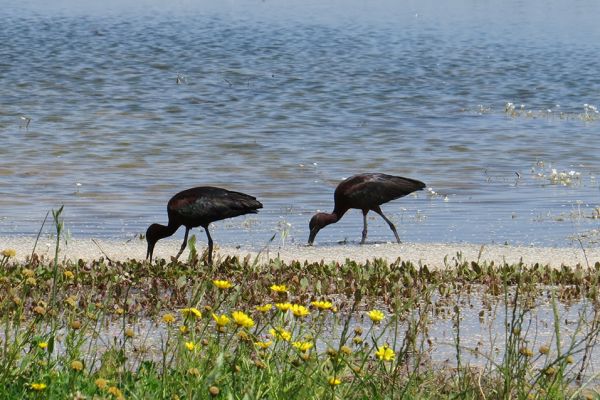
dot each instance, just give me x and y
(431, 254)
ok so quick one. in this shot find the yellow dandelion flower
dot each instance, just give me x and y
(91, 316)
(72, 301)
(28, 272)
(264, 345)
(303, 346)
(346, 350)
(39, 310)
(31, 281)
(168, 318)
(525, 351)
(191, 312)
(242, 319)
(279, 288)
(385, 353)
(221, 320)
(544, 349)
(183, 329)
(8, 253)
(190, 346)
(265, 308)
(570, 359)
(299, 310)
(376, 316)
(76, 365)
(101, 383)
(43, 345)
(333, 381)
(283, 306)
(115, 391)
(68, 275)
(129, 333)
(280, 333)
(322, 305)
(38, 386)
(222, 284)
(194, 371)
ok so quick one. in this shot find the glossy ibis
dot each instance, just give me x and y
(365, 192)
(200, 206)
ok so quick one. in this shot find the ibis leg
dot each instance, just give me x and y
(187, 230)
(392, 227)
(364, 232)
(210, 245)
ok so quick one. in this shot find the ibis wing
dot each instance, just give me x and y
(375, 189)
(214, 205)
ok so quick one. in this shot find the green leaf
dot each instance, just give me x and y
(304, 283)
(181, 281)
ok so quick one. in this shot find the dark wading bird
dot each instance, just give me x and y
(365, 192)
(200, 206)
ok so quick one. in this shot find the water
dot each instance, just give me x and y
(130, 103)
(483, 337)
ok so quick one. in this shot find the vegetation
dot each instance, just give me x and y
(244, 330)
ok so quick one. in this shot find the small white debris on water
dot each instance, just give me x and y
(564, 178)
(556, 177)
(590, 112)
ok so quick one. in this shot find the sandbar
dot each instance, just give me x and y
(434, 255)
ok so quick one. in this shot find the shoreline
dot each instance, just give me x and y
(430, 254)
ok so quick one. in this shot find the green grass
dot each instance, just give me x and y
(112, 330)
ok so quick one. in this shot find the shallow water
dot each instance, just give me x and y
(130, 103)
(482, 337)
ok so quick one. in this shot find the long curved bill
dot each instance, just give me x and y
(311, 236)
(149, 252)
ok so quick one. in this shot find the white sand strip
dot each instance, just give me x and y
(430, 254)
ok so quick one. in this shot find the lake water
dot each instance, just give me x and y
(130, 103)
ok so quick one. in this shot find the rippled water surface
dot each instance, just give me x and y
(130, 103)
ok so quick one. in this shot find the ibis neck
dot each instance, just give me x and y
(168, 230)
(338, 213)
(333, 217)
